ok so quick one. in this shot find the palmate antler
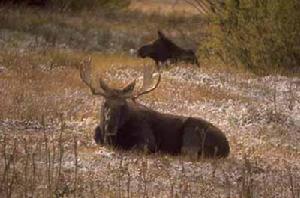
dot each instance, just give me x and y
(85, 75)
(149, 89)
(125, 93)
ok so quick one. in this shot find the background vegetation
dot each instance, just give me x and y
(263, 36)
(71, 4)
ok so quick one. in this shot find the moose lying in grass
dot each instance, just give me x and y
(125, 124)
(164, 49)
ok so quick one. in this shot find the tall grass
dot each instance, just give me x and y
(52, 164)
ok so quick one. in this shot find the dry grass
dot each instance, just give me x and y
(53, 158)
(172, 91)
(47, 116)
(164, 7)
(32, 78)
(53, 163)
(103, 31)
(105, 62)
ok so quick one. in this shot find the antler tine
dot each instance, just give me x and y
(147, 76)
(85, 75)
(148, 90)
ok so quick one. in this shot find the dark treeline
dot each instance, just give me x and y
(26, 2)
(69, 4)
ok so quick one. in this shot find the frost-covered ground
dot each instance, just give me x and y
(260, 116)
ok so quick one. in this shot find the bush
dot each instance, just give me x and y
(262, 35)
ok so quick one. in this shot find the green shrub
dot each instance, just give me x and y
(262, 35)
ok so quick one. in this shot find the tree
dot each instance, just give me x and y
(262, 35)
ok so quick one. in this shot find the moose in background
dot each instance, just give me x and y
(163, 49)
(126, 124)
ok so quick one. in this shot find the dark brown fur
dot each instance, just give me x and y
(154, 131)
(163, 49)
(125, 124)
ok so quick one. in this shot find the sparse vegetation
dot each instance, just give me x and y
(47, 115)
(105, 31)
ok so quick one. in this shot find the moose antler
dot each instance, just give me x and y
(85, 75)
(106, 91)
(147, 77)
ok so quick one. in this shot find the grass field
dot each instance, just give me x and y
(47, 115)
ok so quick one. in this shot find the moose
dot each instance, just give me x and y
(164, 49)
(126, 124)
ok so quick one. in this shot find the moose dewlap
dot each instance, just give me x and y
(125, 124)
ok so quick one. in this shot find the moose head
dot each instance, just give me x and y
(127, 124)
(116, 107)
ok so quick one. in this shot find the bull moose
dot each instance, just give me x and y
(126, 124)
(164, 49)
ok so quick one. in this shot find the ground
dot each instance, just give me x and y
(48, 115)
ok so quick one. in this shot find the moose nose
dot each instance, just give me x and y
(132, 52)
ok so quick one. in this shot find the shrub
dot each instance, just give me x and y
(262, 35)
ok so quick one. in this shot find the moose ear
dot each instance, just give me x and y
(128, 89)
